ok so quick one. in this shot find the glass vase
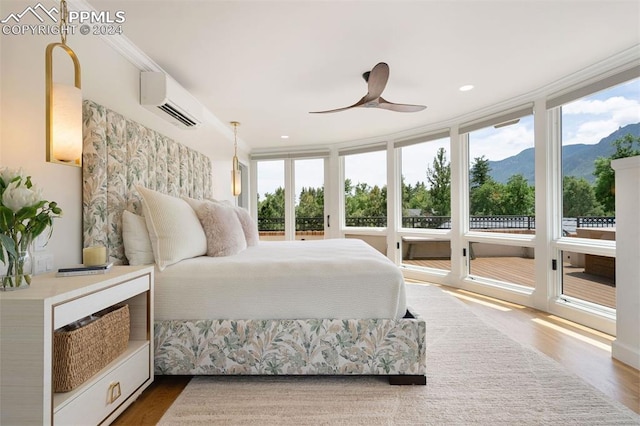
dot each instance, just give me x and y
(18, 271)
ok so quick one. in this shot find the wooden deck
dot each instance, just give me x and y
(518, 270)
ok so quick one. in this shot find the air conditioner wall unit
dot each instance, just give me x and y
(164, 96)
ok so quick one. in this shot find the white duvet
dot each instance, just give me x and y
(335, 278)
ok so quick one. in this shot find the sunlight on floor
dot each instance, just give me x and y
(493, 299)
(583, 328)
(573, 334)
(476, 300)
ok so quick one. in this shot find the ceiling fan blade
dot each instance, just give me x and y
(384, 104)
(377, 81)
(357, 104)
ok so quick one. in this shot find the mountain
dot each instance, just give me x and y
(577, 159)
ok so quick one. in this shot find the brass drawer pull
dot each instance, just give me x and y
(114, 392)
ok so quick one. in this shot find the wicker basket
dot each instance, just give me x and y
(81, 353)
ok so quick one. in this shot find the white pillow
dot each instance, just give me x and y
(222, 227)
(174, 228)
(137, 245)
(249, 226)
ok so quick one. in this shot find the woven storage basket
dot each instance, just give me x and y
(81, 353)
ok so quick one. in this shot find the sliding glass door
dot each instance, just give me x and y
(309, 198)
(291, 199)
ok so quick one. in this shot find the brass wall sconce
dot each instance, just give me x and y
(64, 105)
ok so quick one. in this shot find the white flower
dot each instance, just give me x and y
(7, 174)
(17, 196)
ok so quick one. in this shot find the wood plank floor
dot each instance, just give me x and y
(584, 352)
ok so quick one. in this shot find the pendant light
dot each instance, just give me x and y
(236, 179)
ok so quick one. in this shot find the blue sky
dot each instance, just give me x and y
(586, 121)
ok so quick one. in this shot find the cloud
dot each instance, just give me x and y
(587, 121)
(498, 144)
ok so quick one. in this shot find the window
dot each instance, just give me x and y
(504, 263)
(426, 204)
(365, 189)
(596, 129)
(589, 277)
(502, 177)
(271, 196)
(426, 185)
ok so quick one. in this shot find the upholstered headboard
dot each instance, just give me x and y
(118, 154)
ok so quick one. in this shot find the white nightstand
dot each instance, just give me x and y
(27, 320)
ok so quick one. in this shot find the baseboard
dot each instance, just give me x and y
(625, 353)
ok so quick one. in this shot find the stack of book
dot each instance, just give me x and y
(84, 270)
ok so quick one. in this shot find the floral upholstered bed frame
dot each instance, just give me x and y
(119, 154)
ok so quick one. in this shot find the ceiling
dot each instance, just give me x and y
(268, 63)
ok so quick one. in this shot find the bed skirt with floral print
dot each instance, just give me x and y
(291, 347)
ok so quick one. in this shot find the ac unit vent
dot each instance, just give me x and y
(164, 96)
(177, 115)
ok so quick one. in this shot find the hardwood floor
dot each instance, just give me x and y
(583, 351)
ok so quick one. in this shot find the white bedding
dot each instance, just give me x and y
(335, 278)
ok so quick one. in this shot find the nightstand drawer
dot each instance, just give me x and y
(101, 398)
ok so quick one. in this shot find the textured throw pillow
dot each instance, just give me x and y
(174, 228)
(222, 227)
(195, 203)
(249, 226)
(135, 237)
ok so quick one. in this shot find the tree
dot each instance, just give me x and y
(485, 194)
(415, 197)
(439, 178)
(519, 196)
(479, 173)
(579, 198)
(377, 202)
(272, 206)
(310, 203)
(488, 199)
(627, 146)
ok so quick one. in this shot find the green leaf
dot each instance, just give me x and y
(9, 245)
(26, 213)
(6, 218)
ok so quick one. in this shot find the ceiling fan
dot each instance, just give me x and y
(377, 80)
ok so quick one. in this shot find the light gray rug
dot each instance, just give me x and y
(475, 375)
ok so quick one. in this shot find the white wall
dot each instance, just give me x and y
(108, 79)
(626, 347)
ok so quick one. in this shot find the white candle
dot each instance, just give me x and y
(96, 255)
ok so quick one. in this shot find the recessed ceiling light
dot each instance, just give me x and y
(466, 87)
(284, 137)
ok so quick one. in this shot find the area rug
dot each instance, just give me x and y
(475, 375)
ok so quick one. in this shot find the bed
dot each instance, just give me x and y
(328, 307)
